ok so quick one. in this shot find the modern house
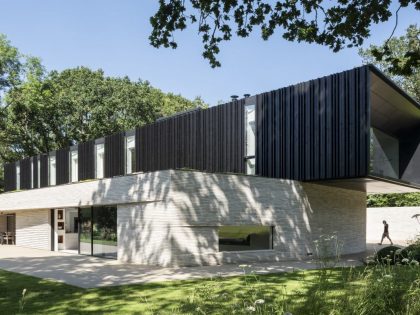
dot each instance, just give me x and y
(257, 179)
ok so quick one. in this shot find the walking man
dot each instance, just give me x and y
(385, 233)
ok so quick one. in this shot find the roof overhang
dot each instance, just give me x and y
(373, 185)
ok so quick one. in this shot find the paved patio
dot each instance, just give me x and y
(90, 272)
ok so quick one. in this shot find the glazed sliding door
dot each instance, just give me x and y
(105, 231)
(85, 231)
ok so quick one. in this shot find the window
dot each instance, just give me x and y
(32, 173)
(250, 134)
(384, 154)
(99, 158)
(130, 154)
(246, 237)
(39, 172)
(17, 177)
(51, 170)
(74, 171)
(98, 231)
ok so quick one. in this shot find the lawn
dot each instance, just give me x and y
(299, 292)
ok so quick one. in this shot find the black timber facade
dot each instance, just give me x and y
(316, 130)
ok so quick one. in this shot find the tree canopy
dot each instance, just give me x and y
(399, 48)
(394, 200)
(336, 25)
(42, 111)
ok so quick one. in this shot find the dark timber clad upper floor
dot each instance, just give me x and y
(316, 130)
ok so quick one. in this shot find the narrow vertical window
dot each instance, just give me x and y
(130, 154)
(51, 170)
(74, 169)
(250, 134)
(17, 177)
(39, 172)
(32, 173)
(99, 158)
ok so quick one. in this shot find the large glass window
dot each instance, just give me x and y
(250, 134)
(246, 237)
(384, 154)
(98, 231)
(51, 170)
(85, 237)
(74, 170)
(105, 232)
(99, 160)
(130, 154)
(17, 177)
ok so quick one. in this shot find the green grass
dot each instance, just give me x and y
(50, 297)
(102, 242)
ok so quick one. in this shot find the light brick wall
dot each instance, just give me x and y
(33, 229)
(402, 226)
(182, 229)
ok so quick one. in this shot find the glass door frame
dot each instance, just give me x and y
(92, 221)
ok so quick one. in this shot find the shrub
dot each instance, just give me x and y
(387, 255)
(412, 251)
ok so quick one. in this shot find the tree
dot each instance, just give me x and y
(399, 48)
(336, 25)
(10, 65)
(59, 109)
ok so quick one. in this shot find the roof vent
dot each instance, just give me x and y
(234, 97)
(247, 95)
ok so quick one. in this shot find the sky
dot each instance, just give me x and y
(113, 35)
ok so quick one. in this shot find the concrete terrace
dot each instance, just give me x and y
(90, 272)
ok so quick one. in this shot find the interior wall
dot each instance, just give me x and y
(410, 157)
(385, 152)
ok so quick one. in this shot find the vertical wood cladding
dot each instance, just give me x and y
(62, 166)
(44, 170)
(86, 160)
(209, 140)
(25, 174)
(114, 155)
(9, 176)
(315, 130)
(35, 171)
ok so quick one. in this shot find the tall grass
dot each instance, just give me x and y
(374, 290)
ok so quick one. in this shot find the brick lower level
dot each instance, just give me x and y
(172, 218)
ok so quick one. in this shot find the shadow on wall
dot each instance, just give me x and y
(179, 223)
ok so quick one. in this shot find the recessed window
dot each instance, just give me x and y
(17, 177)
(74, 170)
(99, 160)
(39, 172)
(250, 134)
(51, 170)
(32, 173)
(130, 154)
(246, 237)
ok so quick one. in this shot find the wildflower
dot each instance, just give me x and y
(251, 308)
(259, 301)
(287, 313)
(414, 262)
(23, 292)
(388, 276)
(405, 260)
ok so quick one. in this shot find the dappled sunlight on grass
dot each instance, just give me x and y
(302, 292)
